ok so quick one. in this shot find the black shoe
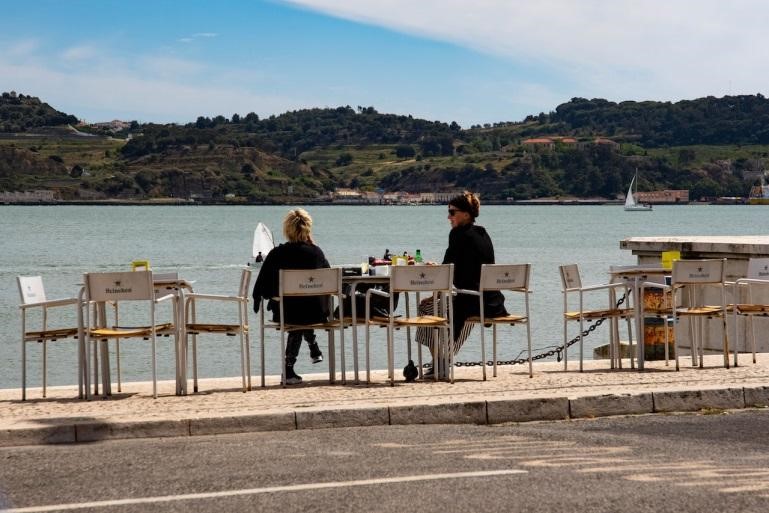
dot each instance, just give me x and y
(315, 352)
(292, 378)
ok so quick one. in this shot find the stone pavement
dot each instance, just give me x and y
(220, 406)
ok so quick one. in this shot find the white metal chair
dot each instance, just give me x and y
(436, 280)
(33, 297)
(303, 283)
(502, 277)
(112, 287)
(755, 289)
(695, 279)
(572, 285)
(194, 328)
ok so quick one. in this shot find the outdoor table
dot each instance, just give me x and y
(354, 281)
(635, 276)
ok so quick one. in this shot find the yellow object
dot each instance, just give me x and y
(668, 257)
(141, 265)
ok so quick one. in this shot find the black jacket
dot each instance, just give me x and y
(469, 247)
(292, 255)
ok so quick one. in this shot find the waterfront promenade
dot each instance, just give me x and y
(220, 407)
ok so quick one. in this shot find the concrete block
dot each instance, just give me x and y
(94, 431)
(282, 421)
(611, 404)
(524, 410)
(756, 396)
(693, 400)
(37, 435)
(353, 417)
(447, 413)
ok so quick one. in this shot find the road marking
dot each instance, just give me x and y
(269, 489)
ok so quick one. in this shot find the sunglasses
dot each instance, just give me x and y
(453, 211)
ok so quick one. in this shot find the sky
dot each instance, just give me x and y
(469, 61)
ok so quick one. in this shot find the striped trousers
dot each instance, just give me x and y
(427, 336)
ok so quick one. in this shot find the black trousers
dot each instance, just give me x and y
(294, 342)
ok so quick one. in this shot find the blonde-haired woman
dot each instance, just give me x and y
(300, 252)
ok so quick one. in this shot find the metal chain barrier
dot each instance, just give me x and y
(557, 351)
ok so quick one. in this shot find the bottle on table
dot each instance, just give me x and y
(418, 257)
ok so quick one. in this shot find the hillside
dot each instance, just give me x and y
(20, 113)
(713, 147)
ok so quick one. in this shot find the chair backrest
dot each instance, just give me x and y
(119, 286)
(31, 289)
(570, 277)
(245, 280)
(698, 272)
(505, 276)
(758, 269)
(421, 278)
(309, 282)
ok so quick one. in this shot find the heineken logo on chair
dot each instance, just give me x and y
(763, 273)
(506, 279)
(699, 274)
(423, 280)
(311, 284)
(118, 289)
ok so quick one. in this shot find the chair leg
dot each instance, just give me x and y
(581, 350)
(565, 345)
(675, 343)
(331, 358)
(483, 351)
(154, 369)
(117, 360)
(194, 363)
(419, 360)
(45, 367)
(23, 368)
(368, 356)
(726, 340)
(248, 359)
(528, 345)
(630, 341)
(243, 371)
(96, 367)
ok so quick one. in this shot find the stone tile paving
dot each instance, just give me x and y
(222, 397)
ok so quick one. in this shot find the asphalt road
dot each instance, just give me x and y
(653, 463)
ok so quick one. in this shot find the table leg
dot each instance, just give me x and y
(104, 352)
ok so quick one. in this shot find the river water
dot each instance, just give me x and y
(212, 244)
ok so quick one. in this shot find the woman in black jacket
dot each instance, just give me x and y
(300, 252)
(469, 247)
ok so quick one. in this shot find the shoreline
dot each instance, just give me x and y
(184, 203)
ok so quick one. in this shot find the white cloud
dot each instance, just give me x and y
(169, 66)
(618, 49)
(79, 53)
(22, 48)
(99, 95)
(197, 35)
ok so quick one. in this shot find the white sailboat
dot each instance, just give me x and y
(630, 199)
(263, 242)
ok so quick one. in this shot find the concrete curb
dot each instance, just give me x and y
(474, 412)
(611, 404)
